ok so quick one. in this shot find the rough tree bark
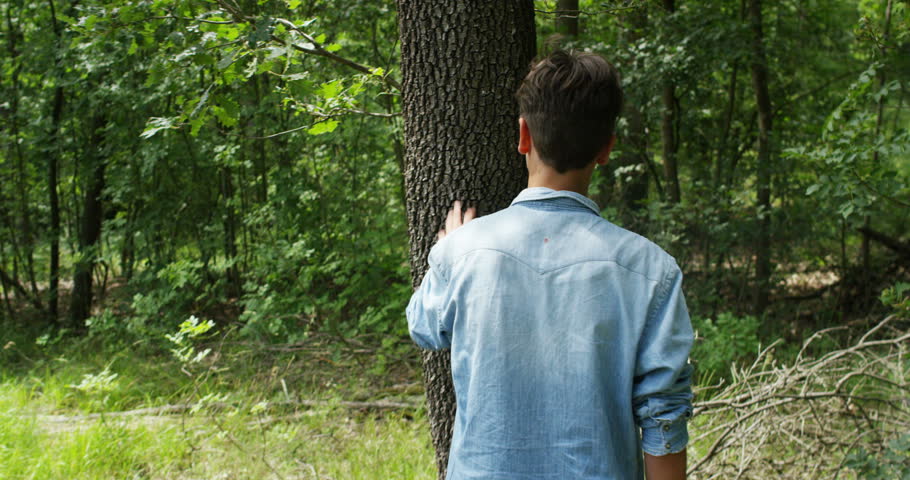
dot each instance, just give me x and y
(759, 68)
(461, 63)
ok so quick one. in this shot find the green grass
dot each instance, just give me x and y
(47, 397)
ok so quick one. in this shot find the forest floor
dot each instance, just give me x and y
(79, 409)
(112, 405)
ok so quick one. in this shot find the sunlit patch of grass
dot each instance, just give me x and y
(59, 420)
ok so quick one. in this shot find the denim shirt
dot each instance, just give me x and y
(570, 338)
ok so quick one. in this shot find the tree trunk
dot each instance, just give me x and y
(759, 69)
(723, 151)
(90, 228)
(229, 222)
(461, 64)
(669, 117)
(633, 185)
(880, 115)
(54, 200)
(567, 18)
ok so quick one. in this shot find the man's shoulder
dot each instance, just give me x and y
(633, 251)
(481, 233)
(575, 239)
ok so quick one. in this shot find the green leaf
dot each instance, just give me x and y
(320, 128)
(330, 90)
(134, 47)
(262, 32)
(156, 124)
(228, 112)
(293, 4)
(333, 47)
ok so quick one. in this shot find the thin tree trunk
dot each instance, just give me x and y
(724, 142)
(880, 114)
(25, 225)
(669, 117)
(53, 161)
(567, 18)
(759, 70)
(262, 180)
(634, 186)
(461, 64)
(230, 231)
(13, 35)
(90, 228)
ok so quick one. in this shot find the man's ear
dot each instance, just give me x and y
(604, 154)
(524, 137)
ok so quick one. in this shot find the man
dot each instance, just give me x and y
(569, 335)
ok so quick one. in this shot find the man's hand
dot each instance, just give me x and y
(456, 218)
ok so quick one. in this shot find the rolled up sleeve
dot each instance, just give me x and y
(662, 393)
(429, 321)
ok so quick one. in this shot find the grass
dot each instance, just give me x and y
(58, 420)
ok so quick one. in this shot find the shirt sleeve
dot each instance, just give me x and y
(662, 393)
(428, 312)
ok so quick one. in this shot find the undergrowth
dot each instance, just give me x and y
(84, 408)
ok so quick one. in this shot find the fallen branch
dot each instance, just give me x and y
(800, 420)
(186, 407)
(892, 243)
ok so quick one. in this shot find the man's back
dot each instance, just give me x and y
(567, 333)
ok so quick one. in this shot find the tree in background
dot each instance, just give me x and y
(461, 64)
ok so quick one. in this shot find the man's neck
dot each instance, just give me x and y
(560, 182)
(542, 175)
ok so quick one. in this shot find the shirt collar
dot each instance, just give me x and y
(544, 193)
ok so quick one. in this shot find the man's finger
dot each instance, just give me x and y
(456, 209)
(470, 214)
(450, 220)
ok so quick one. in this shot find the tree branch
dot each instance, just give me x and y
(320, 51)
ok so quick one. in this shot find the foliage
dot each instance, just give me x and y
(894, 462)
(723, 343)
(855, 162)
(183, 349)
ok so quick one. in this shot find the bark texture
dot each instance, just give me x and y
(461, 64)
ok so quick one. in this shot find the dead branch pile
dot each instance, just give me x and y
(801, 420)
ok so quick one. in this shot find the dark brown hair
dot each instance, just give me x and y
(570, 101)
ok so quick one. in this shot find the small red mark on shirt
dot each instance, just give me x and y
(545, 240)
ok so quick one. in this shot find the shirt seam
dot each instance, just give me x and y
(546, 271)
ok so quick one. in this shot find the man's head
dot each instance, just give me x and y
(570, 102)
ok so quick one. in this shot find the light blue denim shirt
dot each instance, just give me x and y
(569, 337)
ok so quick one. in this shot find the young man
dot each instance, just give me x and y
(569, 335)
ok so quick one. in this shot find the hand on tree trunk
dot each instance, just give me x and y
(456, 218)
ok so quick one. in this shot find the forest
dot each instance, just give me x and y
(213, 214)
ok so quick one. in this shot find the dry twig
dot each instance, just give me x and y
(801, 420)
